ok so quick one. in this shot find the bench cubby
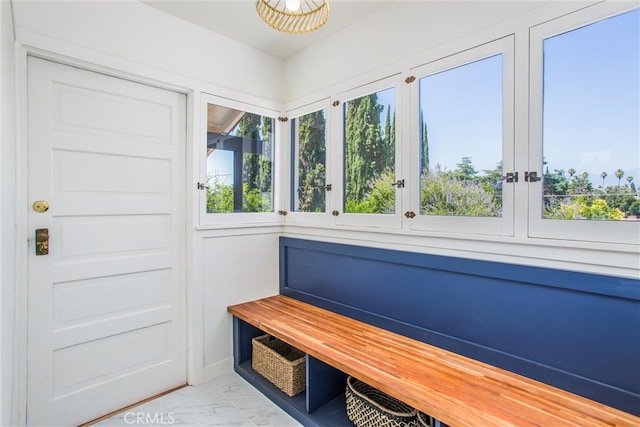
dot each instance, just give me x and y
(321, 404)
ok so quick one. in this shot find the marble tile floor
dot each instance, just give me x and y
(227, 401)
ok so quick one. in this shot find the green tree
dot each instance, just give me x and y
(603, 175)
(249, 128)
(632, 186)
(219, 196)
(364, 148)
(619, 174)
(424, 139)
(465, 170)
(265, 174)
(580, 184)
(492, 182)
(623, 199)
(311, 162)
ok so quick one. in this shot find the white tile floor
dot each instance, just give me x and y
(225, 401)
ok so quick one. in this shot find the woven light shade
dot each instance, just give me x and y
(311, 15)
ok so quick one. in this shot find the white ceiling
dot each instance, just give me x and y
(238, 20)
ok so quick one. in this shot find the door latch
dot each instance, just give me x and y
(532, 177)
(42, 241)
(511, 177)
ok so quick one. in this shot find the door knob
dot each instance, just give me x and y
(42, 241)
(40, 206)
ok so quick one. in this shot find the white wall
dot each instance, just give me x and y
(7, 210)
(141, 35)
(235, 268)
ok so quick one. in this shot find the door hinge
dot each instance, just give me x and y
(335, 103)
(532, 177)
(410, 79)
(410, 214)
(335, 213)
(283, 119)
(511, 177)
(201, 186)
(399, 183)
(328, 187)
(283, 213)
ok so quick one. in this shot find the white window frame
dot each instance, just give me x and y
(504, 225)
(622, 232)
(236, 218)
(337, 137)
(308, 218)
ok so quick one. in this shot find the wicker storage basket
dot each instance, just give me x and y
(369, 407)
(283, 365)
(425, 420)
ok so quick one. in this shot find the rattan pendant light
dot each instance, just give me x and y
(294, 16)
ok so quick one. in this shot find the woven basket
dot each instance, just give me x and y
(369, 407)
(283, 365)
(425, 420)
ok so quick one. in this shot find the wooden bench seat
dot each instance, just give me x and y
(454, 389)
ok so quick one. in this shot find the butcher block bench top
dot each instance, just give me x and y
(452, 388)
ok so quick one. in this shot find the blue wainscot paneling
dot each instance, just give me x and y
(576, 331)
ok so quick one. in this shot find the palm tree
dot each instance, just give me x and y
(631, 184)
(571, 172)
(603, 175)
(619, 175)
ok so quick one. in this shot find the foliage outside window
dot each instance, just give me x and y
(309, 172)
(369, 153)
(239, 161)
(460, 132)
(591, 131)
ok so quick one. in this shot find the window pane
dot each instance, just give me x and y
(591, 131)
(239, 161)
(309, 171)
(369, 153)
(461, 140)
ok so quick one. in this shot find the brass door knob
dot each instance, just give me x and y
(40, 206)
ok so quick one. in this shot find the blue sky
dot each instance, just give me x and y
(592, 98)
(462, 107)
(591, 104)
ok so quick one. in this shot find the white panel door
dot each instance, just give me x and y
(106, 306)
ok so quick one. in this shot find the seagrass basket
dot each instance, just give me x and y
(425, 420)
(282, 364)
(369, 407)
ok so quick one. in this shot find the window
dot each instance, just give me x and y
(591, 130)
(239, 159)
(368, 137)
(585, 109)
(369, 153)
(308, 134)
(462, 143)
(461, 140)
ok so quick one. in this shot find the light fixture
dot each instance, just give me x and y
(294, 16)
